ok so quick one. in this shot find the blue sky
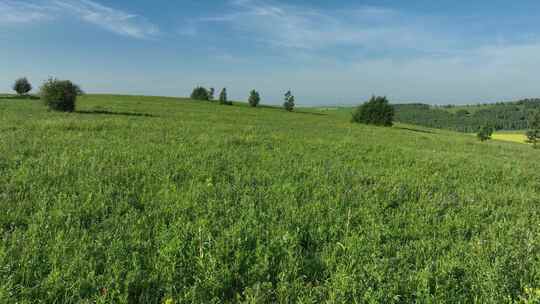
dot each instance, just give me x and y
(327, 52)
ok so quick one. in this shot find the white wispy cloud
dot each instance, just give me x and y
(283, 25)
(113, 20)
(20, 12)
(110, 19)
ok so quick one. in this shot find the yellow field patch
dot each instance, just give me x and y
(513, 137)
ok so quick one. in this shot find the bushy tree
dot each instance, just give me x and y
(533, 134)
(60, 95)
(485, 133)
(377, 111)
(254, 98)
(22, 86)
(200, 93)
(289, 101)
(211, 94)
(223, 98)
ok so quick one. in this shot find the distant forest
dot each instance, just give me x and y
(500, 116)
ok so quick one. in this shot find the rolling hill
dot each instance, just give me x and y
(469, 118)
(136, 199)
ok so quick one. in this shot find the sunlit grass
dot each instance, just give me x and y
(511, 137)
(136, 199)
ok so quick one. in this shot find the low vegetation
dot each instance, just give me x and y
(510, 136)
(166, 200)
(377, 111)
(60, 95)
(485, 133)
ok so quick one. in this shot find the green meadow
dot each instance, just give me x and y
(511, 136)
(135, 199)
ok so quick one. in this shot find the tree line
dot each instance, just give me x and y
(500, 116)
(61, 95)
(483, 119)
(376, 111)
(254, 99)
(58, 95)
(485, 132)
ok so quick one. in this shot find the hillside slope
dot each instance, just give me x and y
(501, 116)
(148, 199)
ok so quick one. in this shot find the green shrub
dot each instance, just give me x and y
(22, 86)
(223, 98)
(485, 133)
(377, 111)
(254, 98)
(533, 134)
(289, 101)
(60, 95)
(200, 93)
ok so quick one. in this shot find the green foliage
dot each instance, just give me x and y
(377, 111)
(180, 202)
(200, 93)
(60, 95)
(533, 134)
(223, 98)
(462, 113)
(530, 296)
(22, 86)
(485, 133)
(211, 94)
(254, 98)
(288, 105)
(502, 115)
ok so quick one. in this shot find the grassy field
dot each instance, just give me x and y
(517, 137)
(166, 200)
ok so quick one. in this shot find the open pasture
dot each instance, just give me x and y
(511, 137)
(137, 199)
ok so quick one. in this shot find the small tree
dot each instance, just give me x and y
(377, 111)
(200, 93)
(60, 95)
(22, 86)
(289, 101)
(223, 98)
(254, 98)
(533, 134)
(211, 94)
(485, 133)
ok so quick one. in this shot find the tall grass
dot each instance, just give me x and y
(195, 203)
